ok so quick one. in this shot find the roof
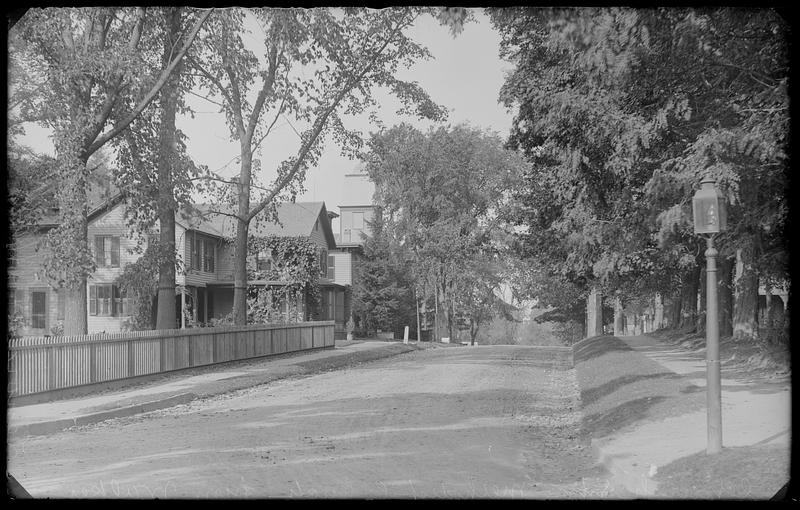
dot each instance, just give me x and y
(101, 195)
(295, 219)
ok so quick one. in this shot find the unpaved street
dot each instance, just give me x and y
(488, 421)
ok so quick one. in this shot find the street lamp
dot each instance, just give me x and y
(710, 217)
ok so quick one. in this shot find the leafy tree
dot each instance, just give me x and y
(348, 52)
(622, 112)
(90, 60)
(139, 281)
(383, 290)
(441, 192)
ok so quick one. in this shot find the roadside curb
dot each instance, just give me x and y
(49, 427)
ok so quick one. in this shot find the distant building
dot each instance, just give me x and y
(356, 212)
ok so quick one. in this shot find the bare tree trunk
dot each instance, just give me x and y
(75, 311)
(436, 337)
(688, 298)
(725, 296)
(594, 313)
(618, 317)
(745, 318)
(416, 305)
(167, 154)
(74, 203)
(658, 309)
(240, 246)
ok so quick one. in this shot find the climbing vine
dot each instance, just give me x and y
(139, 280)
(293, 261)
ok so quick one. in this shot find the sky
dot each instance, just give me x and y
(464, 75)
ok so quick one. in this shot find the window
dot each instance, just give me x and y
(203, 254)
(106, 251)
(331, 267)
(347, 224)
(208, 256)
(263, 261)
(39, 309)
(61, 296)
(109, 301)
(17, 304)
(100, 300)
(122, 302)
(323, 262)
(197, 252)
(12, 303)
(331, 305)
(358, 221)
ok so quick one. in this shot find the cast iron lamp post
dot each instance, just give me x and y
(710, 216)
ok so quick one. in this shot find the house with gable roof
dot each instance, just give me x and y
(204, 286)
(212, 295)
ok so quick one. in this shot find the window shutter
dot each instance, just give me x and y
(115, 252)
(99, 251)
(19, 302)
(197, 263)
(331, 267)
(93, 300)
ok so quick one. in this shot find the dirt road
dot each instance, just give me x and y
(482, 422)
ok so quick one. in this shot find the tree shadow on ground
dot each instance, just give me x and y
(591, 395)
(604, 423)
(598, 346)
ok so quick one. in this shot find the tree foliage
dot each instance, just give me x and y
(441, 193)
(295, 264)
(622, 112)
(89, 62)
(383, 288)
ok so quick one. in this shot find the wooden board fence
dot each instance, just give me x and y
(39, 364)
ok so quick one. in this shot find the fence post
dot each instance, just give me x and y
(92, 363)
(189, 350)
(162, 354)
(51, 368)
(214, 347)
(130, 358)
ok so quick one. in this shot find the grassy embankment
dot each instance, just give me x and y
(620, 388)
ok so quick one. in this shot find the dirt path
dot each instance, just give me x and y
(446, 423)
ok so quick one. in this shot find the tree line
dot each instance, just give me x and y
(621, 112)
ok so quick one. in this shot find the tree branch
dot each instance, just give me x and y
(269, 81)
(318, 127)
(153, 92)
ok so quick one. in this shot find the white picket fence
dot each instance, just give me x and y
(39, 364)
